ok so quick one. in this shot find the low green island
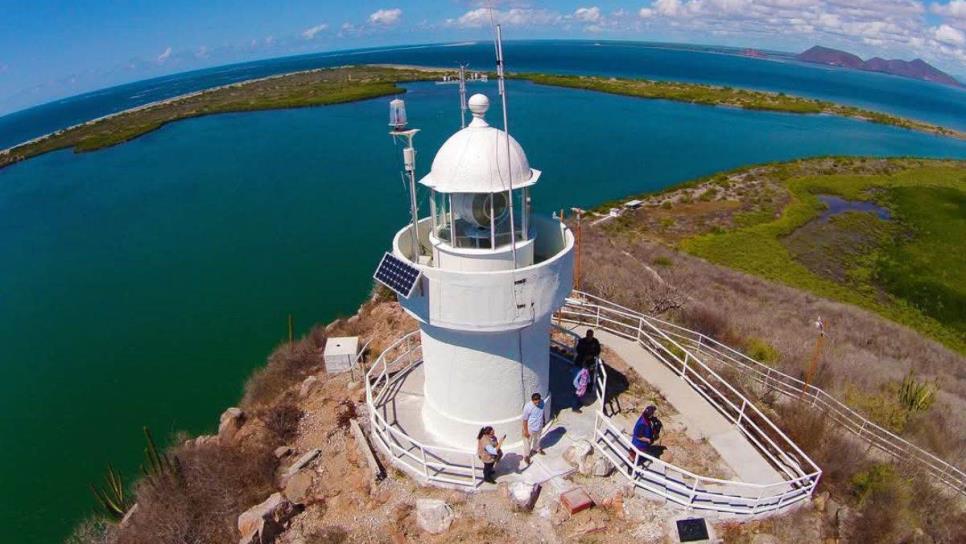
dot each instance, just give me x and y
(713, 95)
(351, 83)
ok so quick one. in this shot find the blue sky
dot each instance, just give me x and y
(50, 49)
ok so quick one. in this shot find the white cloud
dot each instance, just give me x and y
(670, 8)
(202, 52)
(955, 9)
(889, 28)
(269, 40)
(588, 15)
(385, 16)
(512, 17)
(165, 55)
(309, 33)
(949, 35)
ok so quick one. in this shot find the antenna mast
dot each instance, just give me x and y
(462, 96)
(506, 130)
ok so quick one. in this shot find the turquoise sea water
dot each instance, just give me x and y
(141, 284)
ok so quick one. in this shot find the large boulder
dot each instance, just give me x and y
(298, 487)
(230, 423)
(603, 467)
(577, 452)
(433, 515)
(262, 523)
(523, 495)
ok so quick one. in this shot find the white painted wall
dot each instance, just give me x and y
(473, 379)
(486, 332)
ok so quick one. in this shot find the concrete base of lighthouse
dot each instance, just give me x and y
(475, 379)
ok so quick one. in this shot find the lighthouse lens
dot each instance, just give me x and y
(484, 203)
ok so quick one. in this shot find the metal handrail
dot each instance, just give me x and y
(699, 492)
(741, 497)
(385, 432)
(788, 385)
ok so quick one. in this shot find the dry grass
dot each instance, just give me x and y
(288, 365)
(217, 484)
(863, 349)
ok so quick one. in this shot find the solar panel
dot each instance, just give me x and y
(397, 275)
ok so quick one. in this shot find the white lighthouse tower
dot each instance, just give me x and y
(488, 277)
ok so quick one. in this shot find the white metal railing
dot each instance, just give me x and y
(800, 474)
(434, 463)
(660, 335)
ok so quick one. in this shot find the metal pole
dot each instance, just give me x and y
(506, 131)
(411, 166)
(462, 96)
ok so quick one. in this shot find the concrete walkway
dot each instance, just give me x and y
(702, 420)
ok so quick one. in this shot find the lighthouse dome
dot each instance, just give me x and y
(474, 160)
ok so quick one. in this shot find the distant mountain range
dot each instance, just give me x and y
(916, 69)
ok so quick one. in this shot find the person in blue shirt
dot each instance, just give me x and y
(644, 432)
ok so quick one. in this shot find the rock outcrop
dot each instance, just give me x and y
(230, 423)
(523, 496)
(262, 523)
(433, 515)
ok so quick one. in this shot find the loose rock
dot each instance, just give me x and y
(300, 463)
(298, 486)
(282, 451)
(263, 522)
(230, 423)
(523, 496)
(308, 385)
(580, 450)
(603, 467)
(433, 515)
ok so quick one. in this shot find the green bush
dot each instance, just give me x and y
(761, 351)
(872, 480)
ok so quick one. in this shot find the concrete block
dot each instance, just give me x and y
(576, 500)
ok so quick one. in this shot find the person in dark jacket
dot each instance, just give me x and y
(588, 348)
(646, 431)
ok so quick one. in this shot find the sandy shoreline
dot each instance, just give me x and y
(157, 103)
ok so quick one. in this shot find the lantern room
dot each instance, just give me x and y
(480, 192)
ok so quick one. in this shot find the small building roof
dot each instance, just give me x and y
(474, 160)
(341, 345)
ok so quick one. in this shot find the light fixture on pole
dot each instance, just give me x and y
(398, 122)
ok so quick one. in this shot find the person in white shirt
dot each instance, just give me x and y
(533, 422)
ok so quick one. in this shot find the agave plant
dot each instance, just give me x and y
(112, 499)
(158, 466)
(916, 395)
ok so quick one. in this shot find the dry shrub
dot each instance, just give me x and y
(704, 320)
(884, 500)
(345, 413)
(93, 530)
(283, 421)
(217, 484)
(838, 455)
(288, 365)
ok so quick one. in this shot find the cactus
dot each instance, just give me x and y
(159, 465)
(111, 498)
(915, 395)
